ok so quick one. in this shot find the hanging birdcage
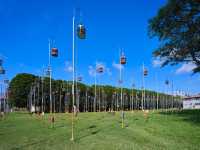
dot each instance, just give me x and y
(100, 69)
(54, 52)
(123, 60)
(79, 79)
(145, 72)
(81, 31)
(167, 82)
(48, 71)
(2, 71)
(6, 81)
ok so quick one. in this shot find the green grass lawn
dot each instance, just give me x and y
(102, 131)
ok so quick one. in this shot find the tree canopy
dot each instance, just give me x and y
(19, 89)
(177, 25)
(27, 90)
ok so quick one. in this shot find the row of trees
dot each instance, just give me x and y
(28, 90)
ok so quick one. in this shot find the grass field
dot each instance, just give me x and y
(102, 131)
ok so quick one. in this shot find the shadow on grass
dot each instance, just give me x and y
(92, 130)
(192, 116)
(87, 135)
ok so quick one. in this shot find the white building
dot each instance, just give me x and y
(191, 102)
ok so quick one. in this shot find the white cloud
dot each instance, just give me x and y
(108, 71)
(117, 66)
(101, 64)
(68, 67)
(185, 68)
(157, 62)
(91, 71)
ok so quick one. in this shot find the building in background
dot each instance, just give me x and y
(191, 102)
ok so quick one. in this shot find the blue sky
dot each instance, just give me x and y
(26, 26)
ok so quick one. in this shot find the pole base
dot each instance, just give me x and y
(72, 139)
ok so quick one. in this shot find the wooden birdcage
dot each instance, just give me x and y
(145, 72)
(81, 31)
(122, 60)
(54, 52)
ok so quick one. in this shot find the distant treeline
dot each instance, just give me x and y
(27, 90)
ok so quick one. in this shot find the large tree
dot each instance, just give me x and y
(177, 25)
(19, 89)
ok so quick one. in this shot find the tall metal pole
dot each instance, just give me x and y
(144, 90)
(34, 97)
(157, 95)
(132, 100)
(86, 99)
(172, 95)
(95, 90)
(49, 69)
(143, 94)
(43, 91)
(3, 96)
(121, 96)
(136, 100)
(77, 90)
(31, 99)
(6, 95)
(117, 101)
(99, 97)
(38, 88)
(73, 74)
(60, 98)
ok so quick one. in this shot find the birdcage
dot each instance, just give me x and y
(48, 71)
(123, 60)
(145, 72)
(6, 81)
(2, 71)
(81, 31)
(100, 69)
(79, 79)
(167, 82)
(54, 52)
